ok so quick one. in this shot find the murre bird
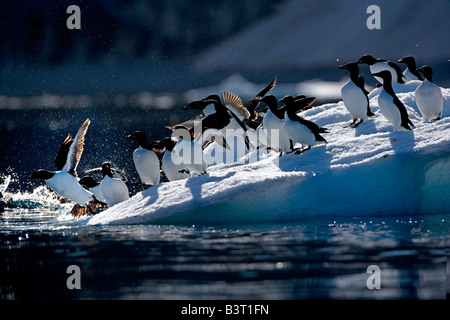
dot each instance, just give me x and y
(272, 127)
(114, 190)
(145, 159)
(65, 180)
(410, 72)
(300, 130)
(247, 115)
(172, 164)
(377, 65)
(354, 96)
(429, 97)
(390, 106)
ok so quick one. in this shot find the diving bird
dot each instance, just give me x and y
(410, 72)
(354, 95)
(145, 160)
(300, 130)
(65, 180)
(114, 190)
(429, 97)
(390, 106)
(377, 65)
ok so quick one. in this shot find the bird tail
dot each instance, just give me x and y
(320, 138)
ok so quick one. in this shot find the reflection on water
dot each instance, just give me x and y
(312, 259)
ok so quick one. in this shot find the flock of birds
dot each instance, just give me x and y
(281, 129)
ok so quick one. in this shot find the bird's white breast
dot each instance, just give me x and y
(354, 100)
(68, 187)
(299, 132)
(171, 165)
(429, 100)
(114, 190)
(147, 165)
(275, 133)
(389, 109)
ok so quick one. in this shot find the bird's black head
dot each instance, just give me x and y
(367, 59)
(41, 174)
(427, 72)
(270, 100)
(88, 181)
(106, 169)
(139, 137)
(352, 66)
(409, 60)
(385, 75)
(201, 104)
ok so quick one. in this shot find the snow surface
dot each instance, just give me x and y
(368, 171)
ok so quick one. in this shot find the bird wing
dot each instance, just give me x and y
(94, 171)
(76, 149)
(189, 124)
(234, 103)
(119, 174)
(61, 157)
(254, 102)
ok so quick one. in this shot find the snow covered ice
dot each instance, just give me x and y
(368, 171)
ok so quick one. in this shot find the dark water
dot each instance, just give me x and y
(323, 258)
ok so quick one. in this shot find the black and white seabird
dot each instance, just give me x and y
(354, 95)
(65, 180)
(172, 164)
(377, 65)
(410, 72)
(390, 106)
(145, 159)
(300, 130)
(247, 115)
(272, 127)
(114, 190)
(429, 97)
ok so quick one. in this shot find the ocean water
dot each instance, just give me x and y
(315, 258)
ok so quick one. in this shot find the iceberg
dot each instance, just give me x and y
(368, 171)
